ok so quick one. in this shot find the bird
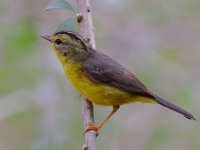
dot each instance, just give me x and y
(99, 78)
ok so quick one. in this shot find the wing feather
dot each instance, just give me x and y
(109, 72)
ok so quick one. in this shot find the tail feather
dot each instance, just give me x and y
(173, 107)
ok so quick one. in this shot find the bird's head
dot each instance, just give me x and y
(69, 46)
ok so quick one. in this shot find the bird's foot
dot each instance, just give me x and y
(91, 126)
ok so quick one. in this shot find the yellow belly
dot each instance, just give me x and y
(99, 93)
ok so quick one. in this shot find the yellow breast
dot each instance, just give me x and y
(98, 93)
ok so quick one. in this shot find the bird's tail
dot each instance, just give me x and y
(173, 107)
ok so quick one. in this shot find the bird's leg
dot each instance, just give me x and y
(92, 126)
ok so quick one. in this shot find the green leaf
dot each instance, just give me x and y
(69, 25)
(60, 4)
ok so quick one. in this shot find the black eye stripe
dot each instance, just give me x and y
(58, 41)
(74, 36)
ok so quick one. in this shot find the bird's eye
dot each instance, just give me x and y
(58, 41)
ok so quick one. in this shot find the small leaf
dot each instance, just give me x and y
(69, 25)
(60, 4)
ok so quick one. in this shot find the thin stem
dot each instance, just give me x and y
(86, 30)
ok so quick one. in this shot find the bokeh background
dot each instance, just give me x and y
(158, 40)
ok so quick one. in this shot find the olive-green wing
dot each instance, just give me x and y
(102, 68)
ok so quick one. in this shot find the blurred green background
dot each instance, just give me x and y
(157, 40)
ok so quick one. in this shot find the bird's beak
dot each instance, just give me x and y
(47, 37)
